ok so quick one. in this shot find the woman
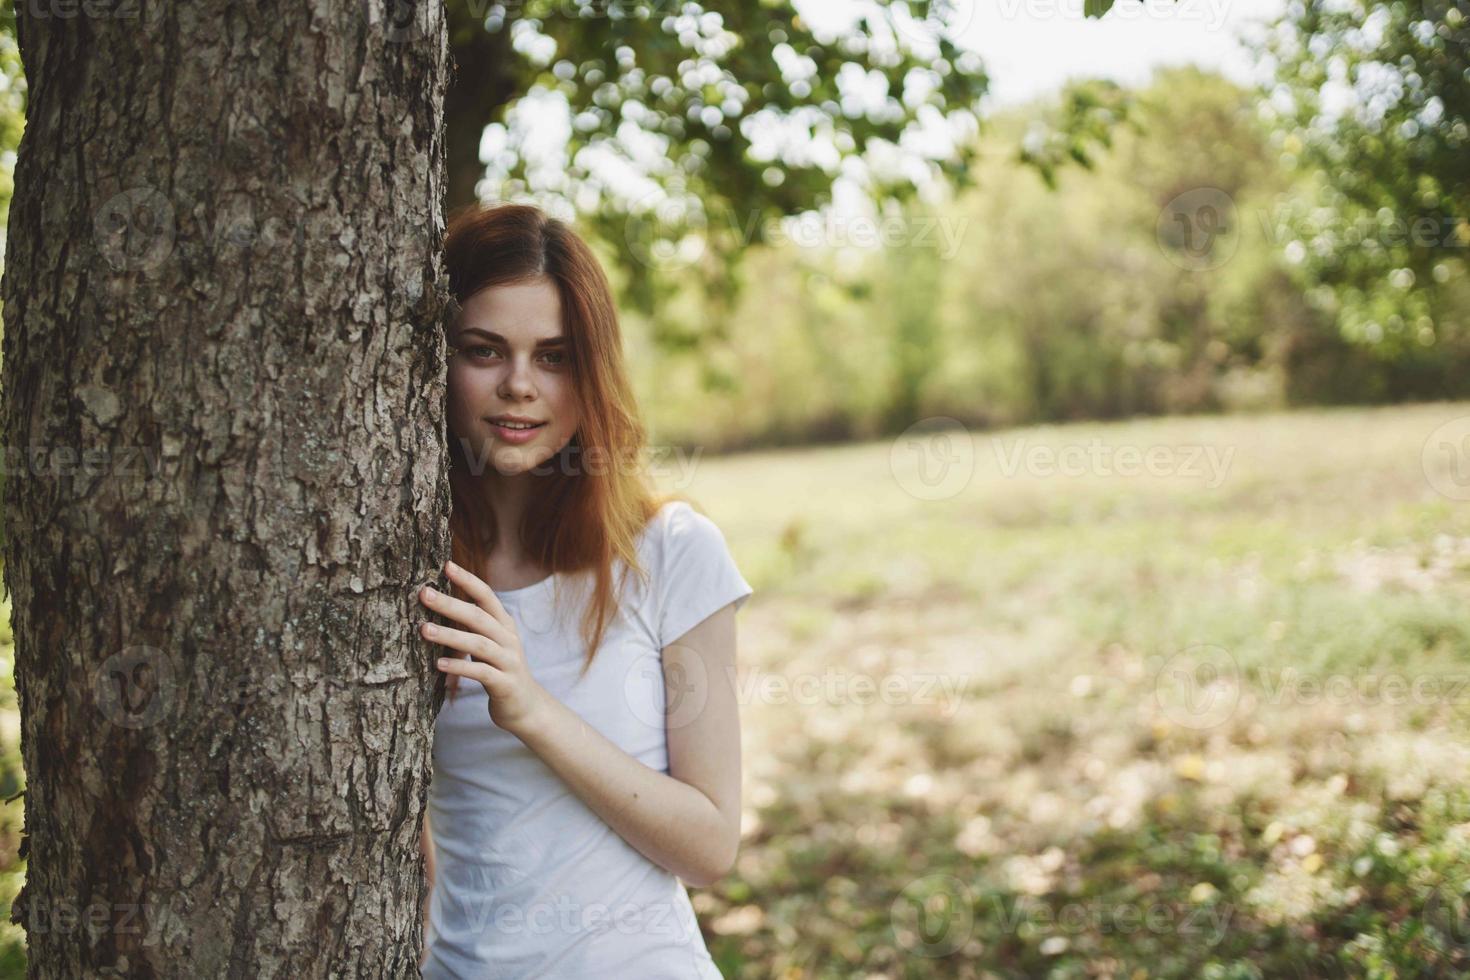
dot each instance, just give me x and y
(569, 795)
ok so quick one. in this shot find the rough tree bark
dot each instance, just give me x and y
(223, 421)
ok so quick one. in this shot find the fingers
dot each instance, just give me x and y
(476, 645)
(476, 588)
(467, 614)
(480, 673)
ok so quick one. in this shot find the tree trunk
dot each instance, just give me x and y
(223, 417)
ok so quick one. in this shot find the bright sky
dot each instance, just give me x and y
(1031, 47)
(1029, 54)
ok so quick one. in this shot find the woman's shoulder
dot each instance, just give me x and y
(677, 520)
(675, 510)
(693, 569)
(677, 526)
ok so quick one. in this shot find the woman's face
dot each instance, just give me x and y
(512, 360)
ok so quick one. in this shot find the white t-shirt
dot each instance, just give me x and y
(530, 881)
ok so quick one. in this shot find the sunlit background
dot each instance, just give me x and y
(1109, 517)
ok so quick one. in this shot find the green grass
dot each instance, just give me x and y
(1068, 807)
(1077, 814)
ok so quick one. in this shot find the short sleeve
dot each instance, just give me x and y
(697, 573)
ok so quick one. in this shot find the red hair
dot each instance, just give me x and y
(591, 511)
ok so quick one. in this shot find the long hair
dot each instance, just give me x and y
(596, 497)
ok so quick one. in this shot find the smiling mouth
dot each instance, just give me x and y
(517, 426)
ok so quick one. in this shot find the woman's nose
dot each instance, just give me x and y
(517, 381)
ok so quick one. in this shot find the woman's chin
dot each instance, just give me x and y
(515, 460)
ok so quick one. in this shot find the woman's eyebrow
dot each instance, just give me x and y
(556, 341)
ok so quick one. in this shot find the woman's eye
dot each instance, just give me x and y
(482, 352)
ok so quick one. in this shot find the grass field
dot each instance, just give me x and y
(1182, 697)
(1213, 714)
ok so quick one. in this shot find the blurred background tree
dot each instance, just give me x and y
(12, 110)
(1373, 101)
(1100, 294)
(683, 121)
(12, 773)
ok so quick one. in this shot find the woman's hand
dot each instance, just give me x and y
(490, 638)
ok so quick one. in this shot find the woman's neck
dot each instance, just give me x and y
(508, 566)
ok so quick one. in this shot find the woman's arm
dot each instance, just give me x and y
(689, 820)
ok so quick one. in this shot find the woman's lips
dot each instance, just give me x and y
(516, 436)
